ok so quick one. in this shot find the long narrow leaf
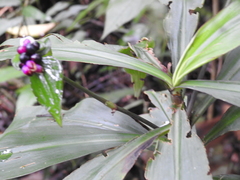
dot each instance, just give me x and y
(228, 91)
(213, 39)
(229, 122)
(90, 52)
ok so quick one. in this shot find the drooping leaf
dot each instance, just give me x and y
(36, 142)
(9, 73)
(227, 177)
(137, 79)
(117, 162)
(162, 114)
(229, 122)
(91, 52)
(182, 158)
(213, 39)
(120, 12)
(180, 25)
(47, 87)
(228, 91)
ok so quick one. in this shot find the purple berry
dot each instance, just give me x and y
(26, 42)
(30, 49)
(21, 49)
(26, 70)
(24, 57)
(36, 45)
(31, 65)
(37, 58)
(39, 68)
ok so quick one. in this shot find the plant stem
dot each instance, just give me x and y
(110, 104)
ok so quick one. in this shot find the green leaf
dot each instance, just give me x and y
(229, 71)
(83, 13)
(117, 162)
(47, 87)
(146, 54)
(137, 79)
(9, 73)
(213, 39)
(227, 177)
(180, 25)
(31, 11)
(36, 142)
(182, 158)
(229, 122)
(228, 91)
(90, 52)
(96, 53)
(120, 12)
(162, 114)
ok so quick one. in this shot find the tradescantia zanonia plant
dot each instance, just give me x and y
(33, 142)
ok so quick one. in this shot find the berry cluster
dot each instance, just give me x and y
(30, 60)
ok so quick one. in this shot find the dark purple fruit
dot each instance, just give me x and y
(30, 49)
(37, 58)
(31, 65)
(21, 49)
(26, 70)
(24, 57)
(36, 45)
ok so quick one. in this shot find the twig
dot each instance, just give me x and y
(110, 104)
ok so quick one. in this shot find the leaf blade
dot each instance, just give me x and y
(47, 87)
(213, 39)
(37, 143)
(180, 25)
(228, 91)
(119, 161)
(229, 122)
(176, 154)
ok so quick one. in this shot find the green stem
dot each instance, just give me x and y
(110, 104)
